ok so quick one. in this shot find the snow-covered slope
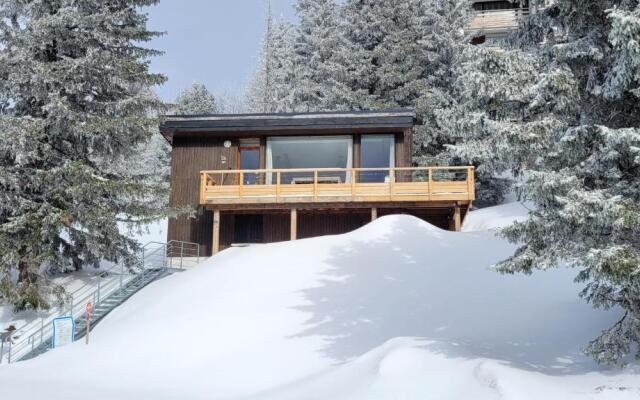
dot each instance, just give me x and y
(396, 310)
(154, 232)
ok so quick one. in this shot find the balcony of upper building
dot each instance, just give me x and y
(496, 19)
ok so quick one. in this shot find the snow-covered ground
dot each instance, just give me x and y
(77, 281)
(395, 310)
(496, 217)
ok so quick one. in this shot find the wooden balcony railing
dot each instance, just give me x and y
(324, 185)
(497, 21)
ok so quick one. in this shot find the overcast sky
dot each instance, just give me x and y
(214, 42)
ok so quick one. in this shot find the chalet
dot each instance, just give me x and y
(260, 178)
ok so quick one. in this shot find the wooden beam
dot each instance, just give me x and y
(294, 224)
(215, 245)
(348, 205)
(457, 221)
(374, 214)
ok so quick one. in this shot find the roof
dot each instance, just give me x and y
(217, 124)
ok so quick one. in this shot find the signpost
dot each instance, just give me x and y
(63, 331)
(87, 316)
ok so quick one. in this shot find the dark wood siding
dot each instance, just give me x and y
(188, 158)
(330, 223)
(276, 227)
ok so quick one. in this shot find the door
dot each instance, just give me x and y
(249, 159)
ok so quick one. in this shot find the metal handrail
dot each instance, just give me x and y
(39, 331)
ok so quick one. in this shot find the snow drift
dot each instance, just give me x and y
(396, 309)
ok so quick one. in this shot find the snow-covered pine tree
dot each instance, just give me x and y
(317, 41)
(505, 94)
(197, 99)
(408, 53)
(273, 84)
(230, 102)
(571, 122)
(364, 25)
(441, 54)
(76, 79)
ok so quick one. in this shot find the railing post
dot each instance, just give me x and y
(471, 184)
(353, 184)
(99, 284)
(165, 254)
(203, 187)
(182, 249)
(121, 276)
(429, 173)
(277, 185)
(392, 179)
(240, 184)
(315, 184)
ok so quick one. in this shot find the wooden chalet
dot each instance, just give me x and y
(260, 178)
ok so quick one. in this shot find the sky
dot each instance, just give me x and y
(214, 42)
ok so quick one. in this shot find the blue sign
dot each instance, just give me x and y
(64, 330)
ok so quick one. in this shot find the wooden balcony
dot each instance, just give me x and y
(342, 185)
(497, 22)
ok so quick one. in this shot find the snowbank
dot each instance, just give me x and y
(397, 309)
(496, 217)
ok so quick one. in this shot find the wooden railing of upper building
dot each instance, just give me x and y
(327, 185)
(497, 21)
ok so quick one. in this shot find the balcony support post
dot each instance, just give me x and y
(294, 224)
(203, 187)
(457, 221)
(374, 214)
(215, 245)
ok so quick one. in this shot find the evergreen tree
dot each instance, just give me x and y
(317, 41)
(442, 52)
(273, 84)
(409, 53)
(231, 103)
(567, 115)
(503, 94)
(76, 80)
(195, 100)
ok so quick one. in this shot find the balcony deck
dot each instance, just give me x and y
(497, 22)
(343, 185)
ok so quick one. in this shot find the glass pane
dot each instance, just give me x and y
(376, 151)
(250, 159)
(317, 152)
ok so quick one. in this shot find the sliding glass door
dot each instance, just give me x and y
(310, 152)
(376, 151)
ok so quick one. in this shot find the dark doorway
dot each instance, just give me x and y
(248, 229)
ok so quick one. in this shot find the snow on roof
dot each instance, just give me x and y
(405, 112)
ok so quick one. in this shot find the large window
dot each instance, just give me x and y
(376, 151)
(309, 152)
